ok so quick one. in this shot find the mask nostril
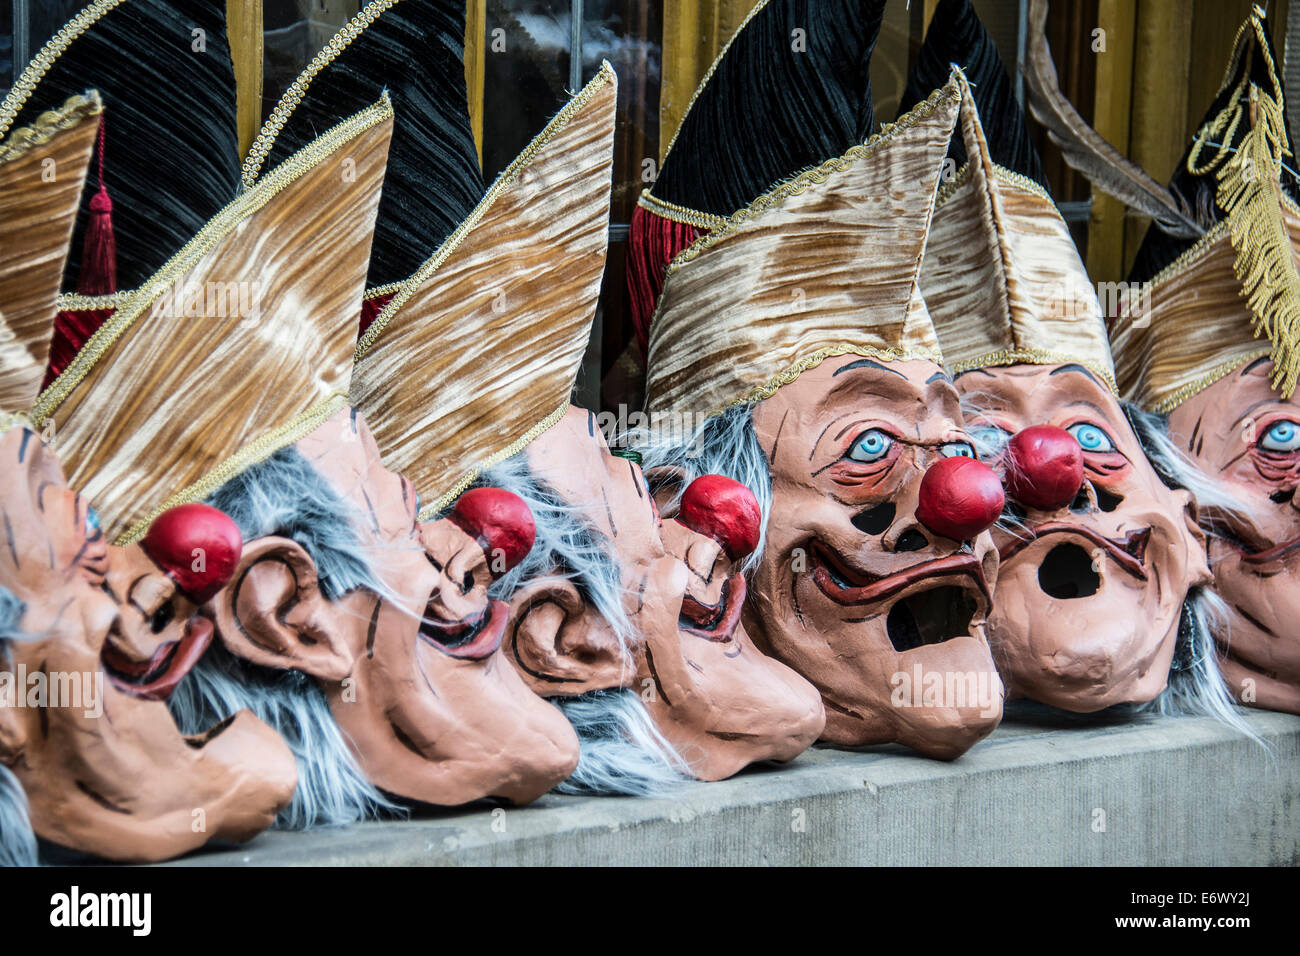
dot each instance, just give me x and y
(875, 520)
(911, 540)
(1081, 503)
(1108, 502)
(1282, 496)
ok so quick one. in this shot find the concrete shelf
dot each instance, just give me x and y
(1043, 789)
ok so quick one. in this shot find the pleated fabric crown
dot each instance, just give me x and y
(780, 232)
(1002, 277)
(240, 342)
(1210, 305)
(481, 300)
(42, 168)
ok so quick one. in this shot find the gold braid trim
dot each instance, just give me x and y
(50, 123)
(432, 510)
(709, 73)
(32, 74)
(687, 217)
(76, 302)
(1250, 193)
(1032, 357)
(266, 136)
(207, 238)
(258, 450)
(815, 176)
(388, 289)
(18, 420)
(431, 265)
(1170, 402)
(812, 360)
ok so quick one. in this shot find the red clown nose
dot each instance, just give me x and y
(725, 510)
(959, 498)
(196, 546)
(500, 521)
(1044, 467)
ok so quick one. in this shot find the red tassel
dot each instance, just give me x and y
(652, 243)
(98, 275)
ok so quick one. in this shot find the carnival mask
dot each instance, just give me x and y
(718, 701)
(1098, 554)
(872, 586)
(409, 666)
(1241, 432)
(105, 636)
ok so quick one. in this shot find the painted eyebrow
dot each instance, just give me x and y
(1074, 368)
(1255, 364)
(1259, 404)
(1095, 408)
(866, 363)
(970, 371)
(937, 377)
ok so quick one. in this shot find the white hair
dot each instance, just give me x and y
(623, 751)
(284, 495)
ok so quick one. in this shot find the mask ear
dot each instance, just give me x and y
(667, 482)
(1199, 567)
(561, 646)
(272, 612)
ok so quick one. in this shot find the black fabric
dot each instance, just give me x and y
(415, 50)
(771, 110)
(171, 157)
(1158, 249)
(956, 35)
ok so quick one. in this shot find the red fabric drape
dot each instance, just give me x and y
(652, 243)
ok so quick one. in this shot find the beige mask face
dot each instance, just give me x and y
(1239, 431)
(717, 700)
(1090, 593)
(104, 766)
(883, 615)
(413, 675)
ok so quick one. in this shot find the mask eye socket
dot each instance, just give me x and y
(957, 449)
(1091, 438)
(92, 522)
(1282, 436)
(871, 446)
(989, 440)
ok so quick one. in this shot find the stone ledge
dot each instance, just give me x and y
(1174, 791)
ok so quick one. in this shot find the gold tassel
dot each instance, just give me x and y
(1250, 192)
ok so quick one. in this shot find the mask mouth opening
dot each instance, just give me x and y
(932, 616)
(1067, 573)
(155, 679)
(716, 622)
(473, 638)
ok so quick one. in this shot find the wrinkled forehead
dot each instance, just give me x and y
(910, 390)
(1244, 393)
(1033, 394)
(344, 453)
(573, 460)
(41, 514)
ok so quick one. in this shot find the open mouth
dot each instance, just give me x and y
(716, 622)
(1068, 563)
(471, 639)
(157, 677)
(937, 600)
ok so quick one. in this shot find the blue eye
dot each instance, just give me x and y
(1091, 438)
(92, 521)
(957, 449)
(871, 445)
(1281, 436)
(989, 440)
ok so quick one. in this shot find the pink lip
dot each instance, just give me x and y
(1122, 551)
(171, 662)
(485, 642)
(1271, 554)
(733, 599)
(879, 588)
